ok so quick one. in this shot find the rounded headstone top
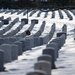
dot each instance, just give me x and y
(51, 48)
(36, 72)
(52, 43)
(1, 50)
(5, 45)
(43, 61)
(45, 55)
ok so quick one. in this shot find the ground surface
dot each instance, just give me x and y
(65, 63)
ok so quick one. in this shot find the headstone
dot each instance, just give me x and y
(36, 41)
(41, 40)
(46, 39)
(53, 14)
(44, 66)
(39, 32)
(1, 41)
(55, 46)
(11, 40)
(46, 14)
(24, 20)
(7, 52)
(5, 21)
(51, 51)
(60, 14)
(68, 14)
(15, 21)
(19, 44)
(1, 18)
(64, 29)
(14, 52)
(58, 41)
(13, 11)
(9, 18)
(1, 60)
(38, 15)
(1, 24)
(31, 27)
(63, 38)
(60, 33)
(45, 57)
(27, 43)
(34, 21)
